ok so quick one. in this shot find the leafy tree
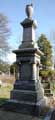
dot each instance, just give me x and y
(46, 48)
(13, 68)
(47, 74)
(4, 66)
(46, 59)
(4, 34)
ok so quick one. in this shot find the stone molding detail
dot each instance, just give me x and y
(30, 59)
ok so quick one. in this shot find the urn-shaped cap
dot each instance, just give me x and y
(29, 10)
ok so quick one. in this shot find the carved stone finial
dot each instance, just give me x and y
(29, 10)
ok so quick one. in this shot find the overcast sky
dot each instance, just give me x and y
(44, 13)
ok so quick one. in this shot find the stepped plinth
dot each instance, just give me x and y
(27, 95)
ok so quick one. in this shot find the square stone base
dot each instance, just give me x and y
(33, 109)
(7, 115)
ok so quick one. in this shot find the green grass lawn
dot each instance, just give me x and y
(5, 92)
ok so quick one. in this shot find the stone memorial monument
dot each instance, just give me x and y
(27, 95)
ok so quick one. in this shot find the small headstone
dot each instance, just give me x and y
(47, 88)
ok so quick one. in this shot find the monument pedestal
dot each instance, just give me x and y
(27, 95)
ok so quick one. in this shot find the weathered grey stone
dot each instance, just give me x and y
(24, 95)
(8, 115)
(27, 95)
(29, 27)
(25, 71)
(29, 10)
(23, 107)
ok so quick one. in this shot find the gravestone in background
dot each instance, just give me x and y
(47, 88)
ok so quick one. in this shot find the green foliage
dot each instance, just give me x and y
(5, 93)
(43, 73)
(4, 67)
(47, 73)
(46, 48)
(46, 59)
(13, 68)
(51, 73)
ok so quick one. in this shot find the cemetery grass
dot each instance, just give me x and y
(5, 93)
(6, 87)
